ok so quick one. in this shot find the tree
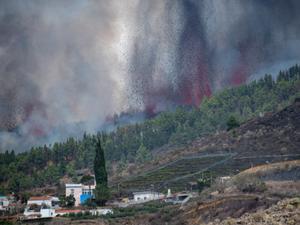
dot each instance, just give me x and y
(87, 180)
(70, 201)
(101, 191)
(232, 123)
(67, 201)
(204, 181)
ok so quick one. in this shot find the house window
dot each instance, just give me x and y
(72, 191)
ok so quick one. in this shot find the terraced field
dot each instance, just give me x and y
(165, 176)
(178, 174)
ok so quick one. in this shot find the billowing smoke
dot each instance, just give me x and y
(184, 50)
(65, 65)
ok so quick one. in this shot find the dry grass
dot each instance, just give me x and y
(284, 188)
(272, 168)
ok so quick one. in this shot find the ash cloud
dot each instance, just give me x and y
(212, 44)
(57, 68)
(66, 65)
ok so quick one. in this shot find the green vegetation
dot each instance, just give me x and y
(43, 166)
(6, 223)
(81, 216)
(87, 180)
(101, 191)
(203, 183)
(150, 207)
(232, 123)
(67, 201)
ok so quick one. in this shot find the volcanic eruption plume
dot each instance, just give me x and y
(72, 63)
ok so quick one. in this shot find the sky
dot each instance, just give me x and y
(68, 65)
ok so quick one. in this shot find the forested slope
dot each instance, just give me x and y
(42, 166)
(273, 137)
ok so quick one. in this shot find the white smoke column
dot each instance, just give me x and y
(73, 65)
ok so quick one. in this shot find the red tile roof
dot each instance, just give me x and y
(39, 198)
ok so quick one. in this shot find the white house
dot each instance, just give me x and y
(4, 203)
(41, 207)
(144, 196)
(75, 190)
(80, 192)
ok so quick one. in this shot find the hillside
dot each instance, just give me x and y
(271, 138)
(225, 203)
(135, 148)
(273, 199)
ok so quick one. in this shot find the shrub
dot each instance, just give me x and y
(90, 203)
(232, 123)
(202, 183)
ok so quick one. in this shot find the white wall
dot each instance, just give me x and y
(43, 213)
(47, 213)
(146, 196)
(97, 212)
(4, 202)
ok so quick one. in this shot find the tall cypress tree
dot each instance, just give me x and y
(101, 191)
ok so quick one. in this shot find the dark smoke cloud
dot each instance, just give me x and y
(201, 46)
(65, 65)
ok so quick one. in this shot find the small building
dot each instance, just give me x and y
(41, 207)
(182, 198)
(179, 198)
(34, 211)
(4, 203)
(80, 192)
(144, 196)
(225, 179)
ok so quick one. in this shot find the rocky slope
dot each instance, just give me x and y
(285, 212)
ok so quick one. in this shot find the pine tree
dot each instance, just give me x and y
(101, 191)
